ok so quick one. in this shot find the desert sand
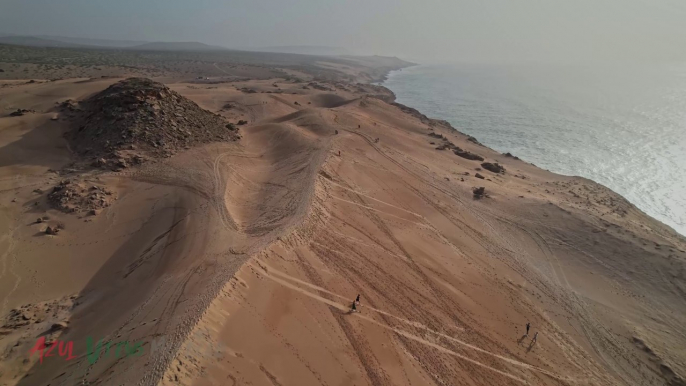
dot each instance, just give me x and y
(236, 262)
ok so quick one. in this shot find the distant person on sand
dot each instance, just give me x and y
(357, 299)
(527, 328)
(353, 308)
(535, 337)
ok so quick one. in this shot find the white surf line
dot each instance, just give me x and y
(415, 338)
(380, 211)
(375, 199)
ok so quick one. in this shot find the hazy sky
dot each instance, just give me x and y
(469, 30)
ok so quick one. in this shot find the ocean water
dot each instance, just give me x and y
(624, 127)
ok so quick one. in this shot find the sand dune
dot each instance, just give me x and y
(236, 263)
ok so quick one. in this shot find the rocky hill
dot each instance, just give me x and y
(145, 116)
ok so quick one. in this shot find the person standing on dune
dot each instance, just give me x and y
(535, 338)
(357, 299)
(527, 328)
(353, 308)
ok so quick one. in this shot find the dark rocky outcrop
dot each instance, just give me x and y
(479, 192)
(493, 167)
(20, 112)
(473, 140)
(509, 155)
(144, 115)
(71, 197)
(477, 175)
(467, 155)
(52, 230)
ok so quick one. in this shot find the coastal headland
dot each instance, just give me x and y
(230, 207)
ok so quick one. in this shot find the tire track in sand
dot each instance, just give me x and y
(405, 334)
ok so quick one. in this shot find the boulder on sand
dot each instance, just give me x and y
(20, 112)
(493, 167)
(479, 192)
(465, 154)
(477, 175)
(52, 230)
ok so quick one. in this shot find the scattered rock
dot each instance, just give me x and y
(493, 167)
(465, 154)
(100, 162)
(70, 106)
(72, 197)
(474, 140)
(58, 326)
(20, 112)
(52, 230)
(510, 155)
(477, 175)
(479, 192)
(242, 122)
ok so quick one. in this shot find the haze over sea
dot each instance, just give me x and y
(624, 127)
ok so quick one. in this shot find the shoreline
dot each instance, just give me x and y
(418, 113)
